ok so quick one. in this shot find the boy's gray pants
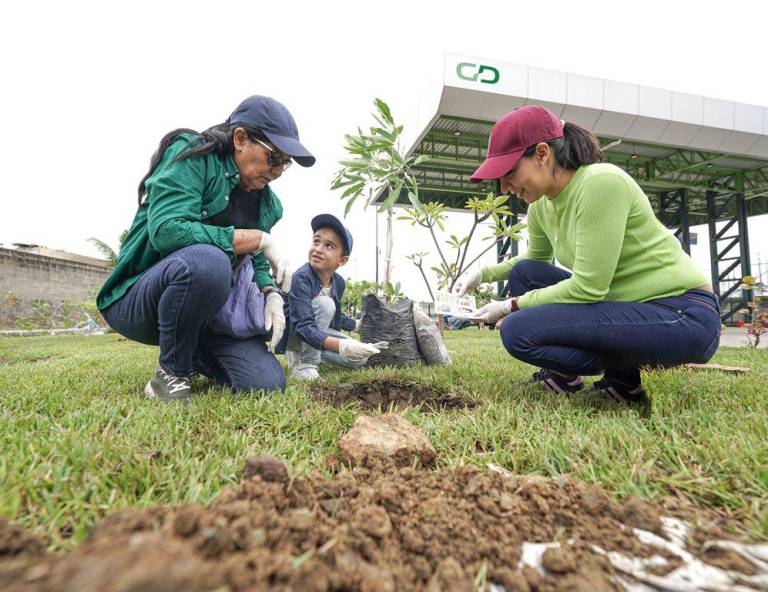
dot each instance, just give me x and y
(323, 308)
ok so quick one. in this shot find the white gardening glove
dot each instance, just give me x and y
(279, 264)
(468, 281)
(358, 324)
(353, 350)
(274, 318)
(493, 311)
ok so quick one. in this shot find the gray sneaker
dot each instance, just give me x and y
(169, 388)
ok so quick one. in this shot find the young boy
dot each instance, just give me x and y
(313, 309)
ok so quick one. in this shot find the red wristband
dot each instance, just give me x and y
(513, 304)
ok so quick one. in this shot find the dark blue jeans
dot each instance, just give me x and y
(171, 306)
(612, 337)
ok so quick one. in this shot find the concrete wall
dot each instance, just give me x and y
(33, 277)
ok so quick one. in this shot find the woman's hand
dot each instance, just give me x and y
(495, 310)
(280, 269)
(274, 318)
(468, 281)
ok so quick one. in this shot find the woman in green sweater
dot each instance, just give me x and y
(632, 297)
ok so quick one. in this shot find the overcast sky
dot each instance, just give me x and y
(90, 87)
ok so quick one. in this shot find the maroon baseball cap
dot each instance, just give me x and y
(511, 137)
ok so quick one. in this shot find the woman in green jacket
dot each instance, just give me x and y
(205, 202)
(632, 296)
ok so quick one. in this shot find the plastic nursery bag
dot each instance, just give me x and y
(391, 323)
(430, 342)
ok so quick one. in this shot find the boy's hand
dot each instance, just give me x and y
(274, 318)
(353, 350)
(279, 264)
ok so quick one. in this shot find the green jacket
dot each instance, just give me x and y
(179, 196)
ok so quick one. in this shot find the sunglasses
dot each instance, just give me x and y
(275, 158)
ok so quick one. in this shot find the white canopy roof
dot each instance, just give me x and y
(483, 89)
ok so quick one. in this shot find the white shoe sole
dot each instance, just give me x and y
(148, 390)
(305, 374)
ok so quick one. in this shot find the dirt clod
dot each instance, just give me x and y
(728, 560)
(640, 514)
(558, 560)
(449, 577)
(17, 541)
(388, 437)
(267, 467)
(386, 393)
(595, 501)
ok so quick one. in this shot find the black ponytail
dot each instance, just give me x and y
(577, 147)
(216, 139)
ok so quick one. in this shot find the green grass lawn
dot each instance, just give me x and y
(79, 439)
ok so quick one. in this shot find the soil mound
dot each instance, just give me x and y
(370, 529)
(383, 393)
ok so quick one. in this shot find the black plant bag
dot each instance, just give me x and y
(392, 323)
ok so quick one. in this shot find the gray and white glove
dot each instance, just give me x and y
(274, 318)
(495, 310)
(468, 281)
(358, 324)
(280, 267)
(353, 350)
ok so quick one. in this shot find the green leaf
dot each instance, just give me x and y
(346, 180)
(500, 200)
(349, 205)
(355, 164)
(383, 108)
(420, 158)
(415, 202)
(392, 197)
(354, 189)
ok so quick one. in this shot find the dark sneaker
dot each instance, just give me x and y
(620, 392)
(169, 388)
(556, 383)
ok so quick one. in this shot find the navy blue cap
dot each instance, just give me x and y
(274, 120)
(332, 222)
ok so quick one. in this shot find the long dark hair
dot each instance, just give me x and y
(216, 139)
(577, 147)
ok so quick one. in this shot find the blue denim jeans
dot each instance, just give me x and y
(171, 305)
(323, 308)
(612, 337)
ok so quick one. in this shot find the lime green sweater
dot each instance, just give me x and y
(603, 229)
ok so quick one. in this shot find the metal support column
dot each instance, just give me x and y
(673, 212)
(507, 246)
(729, 263)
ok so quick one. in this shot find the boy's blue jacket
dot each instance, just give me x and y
(300, 320)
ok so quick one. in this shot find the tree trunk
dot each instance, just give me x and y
(388, 254)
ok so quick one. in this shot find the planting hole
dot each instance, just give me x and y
(383, 393)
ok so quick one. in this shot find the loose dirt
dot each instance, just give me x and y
(373, 529)
(383, 393)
